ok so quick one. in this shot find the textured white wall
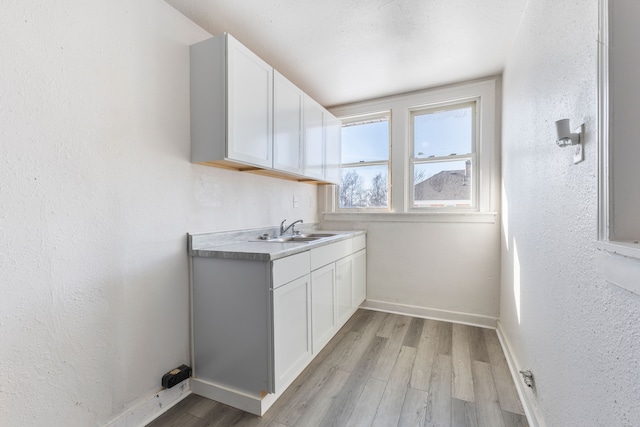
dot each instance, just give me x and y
(96, 197)
(436, 266)
(579, 334)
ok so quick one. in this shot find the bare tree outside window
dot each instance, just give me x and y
(377, 195)
(351, 189)
(365, 162)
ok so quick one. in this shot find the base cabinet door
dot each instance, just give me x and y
(344, 281)
(323, 294)
(359, 285)
(291, 330)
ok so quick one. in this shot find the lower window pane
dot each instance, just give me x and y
(441, 184)
(364, 187)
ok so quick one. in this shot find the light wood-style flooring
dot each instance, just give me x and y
(386, 370)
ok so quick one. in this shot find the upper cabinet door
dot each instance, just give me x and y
(313, 139)
(249, 106)
(287, 125)
(333, 144)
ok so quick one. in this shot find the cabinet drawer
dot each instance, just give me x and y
(290, 268)
(330, 253)
(358, 243)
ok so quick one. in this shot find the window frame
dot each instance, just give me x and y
(486, 92)
(410, 186)
(362, 119)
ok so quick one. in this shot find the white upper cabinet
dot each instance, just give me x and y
(287, 125)
(247, 116)
(231, 104)
(333, 147)
(313, 139)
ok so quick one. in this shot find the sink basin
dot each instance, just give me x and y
(291, 239)
(298, 238)
(317, 235)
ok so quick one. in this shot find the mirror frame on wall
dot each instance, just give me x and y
(619, 259)
(603, 122)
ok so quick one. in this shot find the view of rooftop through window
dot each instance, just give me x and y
(443, 156)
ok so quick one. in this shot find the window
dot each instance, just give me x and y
(436, 149)
(443, 147)
(364, 180)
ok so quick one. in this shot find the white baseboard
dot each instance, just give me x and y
(431, 313)
(147, 411)
(531, 410)
(248, 403)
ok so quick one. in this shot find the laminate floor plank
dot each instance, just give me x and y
(340, 355)
(390, 353)
(421, 373)
(463, 413)
(199, 406)
(387, 325)
(367, 332)
(461, 359)
(392, 401)
(320, 403)
(384, 369)
(487, 404)
(414, 409)
(289, 410)
(342, 407)
(175, 418)
(314, 375)
(444, 338)
(363, 321)
(221, 415)
(367, 404)
(412, 337)
(336, 342)
(514, 420)
(507, 393)
(477, 346)
(439, 403)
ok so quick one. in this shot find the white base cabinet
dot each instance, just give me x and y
(323, 297)
(258, 324)
(291, 330)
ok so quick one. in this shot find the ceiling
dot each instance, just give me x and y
(343, 51)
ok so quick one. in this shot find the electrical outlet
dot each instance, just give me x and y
(295, 201)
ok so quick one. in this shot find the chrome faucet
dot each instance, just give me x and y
(291, 226)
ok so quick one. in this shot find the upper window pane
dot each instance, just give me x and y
(365, 141)
(439, 133)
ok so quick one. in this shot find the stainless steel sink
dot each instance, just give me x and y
(298, 238)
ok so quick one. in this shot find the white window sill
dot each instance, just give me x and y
(459, 217)
(620, 263)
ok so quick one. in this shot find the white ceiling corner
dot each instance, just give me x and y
(343, 51)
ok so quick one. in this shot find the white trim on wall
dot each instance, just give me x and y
(147, 411)
(431, 313)
(531, 410)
